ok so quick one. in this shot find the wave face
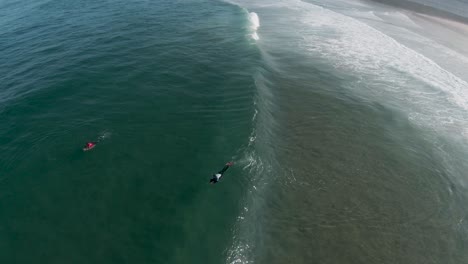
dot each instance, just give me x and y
(364, 137)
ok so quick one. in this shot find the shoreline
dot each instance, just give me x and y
(421, 9)
(457, 26)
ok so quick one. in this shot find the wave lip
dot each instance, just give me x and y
(254, 24)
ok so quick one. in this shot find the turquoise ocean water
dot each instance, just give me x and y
(347, 122)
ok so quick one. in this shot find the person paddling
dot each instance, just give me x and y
(89, 146)
(217, 176)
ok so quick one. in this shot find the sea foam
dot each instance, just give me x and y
(254, 24)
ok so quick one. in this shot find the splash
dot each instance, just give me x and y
(254, 24)
(104, 135)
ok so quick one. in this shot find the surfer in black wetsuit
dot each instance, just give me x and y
(217, 176)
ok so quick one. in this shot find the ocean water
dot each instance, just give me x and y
(347, 122)
(453, 7)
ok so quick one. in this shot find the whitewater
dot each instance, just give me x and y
(379, 57)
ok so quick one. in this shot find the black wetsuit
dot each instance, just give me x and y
(215, 179)
(224, 169)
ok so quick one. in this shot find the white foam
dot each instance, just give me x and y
(396, 18)
(237, 255)
(104, 135)
(254, 25)
(254, 20)
(371, 15)
(255, 36)
(355, 47)
(240, 251)
(384, 68)
(385, 71)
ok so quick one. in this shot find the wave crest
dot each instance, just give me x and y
(254, 24)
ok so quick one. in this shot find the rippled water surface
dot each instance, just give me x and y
(347, 122)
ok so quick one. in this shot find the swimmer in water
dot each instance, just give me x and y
(216, 177)
(89, 146)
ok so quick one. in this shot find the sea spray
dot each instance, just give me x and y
(254, 24)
